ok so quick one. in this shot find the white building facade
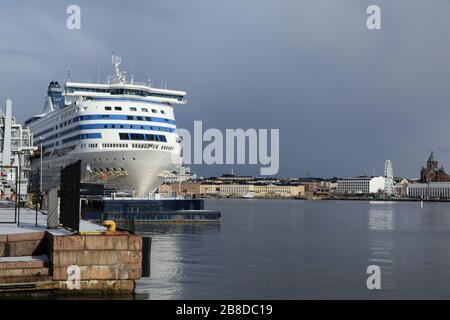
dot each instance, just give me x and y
(431, 190)
(361, 185)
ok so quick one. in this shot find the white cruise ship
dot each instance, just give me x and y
(123, 132)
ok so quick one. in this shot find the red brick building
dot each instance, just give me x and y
(432, 173)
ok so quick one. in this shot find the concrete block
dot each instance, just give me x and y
(68, 243)
(111, 286)
(24, 264)
(26, 236)
(26, 248)
(130, 274)
(84, 257)
(107, 242)
(100, 286)
(134, 242)
(24, 272)
(88, 272)
(129, 257)
(118, 286)
(3, 250)
(127, 286)
(87, 285)
(25, 279)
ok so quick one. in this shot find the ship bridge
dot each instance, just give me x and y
(124, 90)
(117, 86)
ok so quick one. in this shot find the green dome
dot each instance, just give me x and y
(432, 157)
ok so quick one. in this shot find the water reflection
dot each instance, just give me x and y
(175, 228)
(381, 219)
(431, 218)
(168, 257)
(381, 248)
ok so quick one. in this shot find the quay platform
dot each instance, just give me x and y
(92, 261)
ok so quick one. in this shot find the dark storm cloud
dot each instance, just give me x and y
(344, 98)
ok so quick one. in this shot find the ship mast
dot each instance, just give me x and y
(120, 75)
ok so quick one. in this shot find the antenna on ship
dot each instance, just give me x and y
(132, 73)
(116, 60)
(98, 73)
(68, 75)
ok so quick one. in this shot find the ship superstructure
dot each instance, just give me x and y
(123, 132)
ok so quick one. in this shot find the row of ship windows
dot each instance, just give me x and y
(128, 126)
(116, 108)
(122, 136)
(101, 170)
(141, 136)
(90, 145)
(125, 146)
(73, 138)
(134, 109)
(106, 116)
(107, 126)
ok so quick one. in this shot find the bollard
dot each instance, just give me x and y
(146, 251)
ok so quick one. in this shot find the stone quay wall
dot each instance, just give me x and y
(107, 263)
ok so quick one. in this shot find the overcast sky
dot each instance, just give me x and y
(345, 98)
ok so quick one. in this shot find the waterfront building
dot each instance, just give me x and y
(361, 185)
(165, 189)
(433, 173)
(431, 190)
(235, 190)
(16, 144)
(279, 190)
(181, 174)
(311, 186)
(186, 188)
(209, 189)
(328, 184)
(401, 188)
(262, 190)
(322, 192)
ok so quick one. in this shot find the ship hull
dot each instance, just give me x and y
(139, 171)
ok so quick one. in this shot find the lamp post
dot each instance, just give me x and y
(40, 175)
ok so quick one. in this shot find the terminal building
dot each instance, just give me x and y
(431, 190)
(361, 185)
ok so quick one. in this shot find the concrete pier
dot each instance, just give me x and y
(93, 261)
